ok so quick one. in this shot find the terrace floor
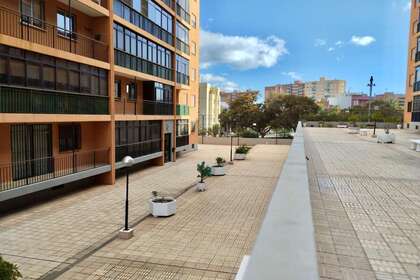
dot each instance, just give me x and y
(366, 205)
(73, 237)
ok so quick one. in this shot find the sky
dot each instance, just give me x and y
(250, 44)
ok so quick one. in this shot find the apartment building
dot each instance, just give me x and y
(84, 83)
(324, 88)
(210, 106)
(297, 88)
(412, 97)
(227, 97)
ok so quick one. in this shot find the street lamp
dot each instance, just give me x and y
(231, 147)
(126, 233)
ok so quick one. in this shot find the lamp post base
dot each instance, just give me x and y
(126, 234)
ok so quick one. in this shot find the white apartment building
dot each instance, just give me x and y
(210, 106)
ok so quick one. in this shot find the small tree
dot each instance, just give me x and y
(203, 171)
(9, 271)
(353, 118)
(215, 130)
(220, 162)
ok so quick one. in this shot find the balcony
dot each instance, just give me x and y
(93, 8)
(182, 46)
(126, 12)
(182, 78)
(182, 141)
(34, 101)
(138, 64)
(40, 32)
(137, 150)
(180, 11)
(23, 173)
(169, 3)
(182, 110)
(416, 86)
(157, 108)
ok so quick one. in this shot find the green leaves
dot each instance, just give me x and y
(9, 271)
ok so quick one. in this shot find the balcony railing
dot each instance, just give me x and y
(139, 149)
(18, 174)
(157, 108)
(34, 101)
(182, 141)
(182, 110)
(417, 86)
(170, 3)
(182, 46)
(182, 78)
(126, 12)
(138, 64)
(34, 30)
(180, 11)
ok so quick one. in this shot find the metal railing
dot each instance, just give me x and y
(22, 173)
(138, 64)
(182, 140)
(139, 149)
(157, 108)
(35, 101)
(180, 11)
(169, 3)
(182, 46)
(34, 30)
(182, 110)
(126, 12)
(182, 78)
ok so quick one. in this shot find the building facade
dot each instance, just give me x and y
(227, 97)
(297, 88)
(84, 83)
(412, 97)
(324, 88)
(398, 99)
(210, 106)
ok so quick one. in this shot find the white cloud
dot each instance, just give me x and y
(339, 43)
(407, 6)
(320, 42)
(240, 52)
(331, 49)
(293, 75)
(362, 40)
(219, 81)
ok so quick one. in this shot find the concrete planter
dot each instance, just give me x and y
(126, 234)
(162, 209)
(239, 156)
(386, 138)
(218, 171)
(201, 187)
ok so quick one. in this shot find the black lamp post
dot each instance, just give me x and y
(126, 232)
(231, 147)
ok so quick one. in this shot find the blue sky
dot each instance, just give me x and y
(248, 44)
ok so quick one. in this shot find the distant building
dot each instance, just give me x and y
(323, 89)
(359, 100)
(342, 102)
(228, 97)
(392, 97)
(210, 106)
(297, 88)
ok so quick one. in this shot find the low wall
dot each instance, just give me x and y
(379, 125)
(243, 141)
(285, 246)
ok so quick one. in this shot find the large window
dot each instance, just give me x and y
(182, 33)
(24, 68)
(182, 69)
(132, 91)
(182, 128)
(117, 89)
(33, 12)
(69, 137)
(66, 24)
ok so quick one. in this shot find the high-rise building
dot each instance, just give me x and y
(227, 97)
(85, 83)
(297, 88)
(210, 106)
(324, 88)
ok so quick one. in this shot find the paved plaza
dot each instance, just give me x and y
(73, 237)
(366, 205)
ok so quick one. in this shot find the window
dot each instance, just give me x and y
(33, 12)
(66, 24)
(117, 89)
(193, 101)
(69, 137)
(182, 33)
(131, 91)
(193, 48)
(193, 21)
(409, 107)
(182, 128)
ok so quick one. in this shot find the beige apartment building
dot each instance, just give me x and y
(210, 106)
(324, 88)
(84, 83)
(412, 97)
(297, 88)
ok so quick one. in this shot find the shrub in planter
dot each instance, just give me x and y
(249, 134)
(161, 206)
(204, 171)
(9, 271)
(219, 168)
(241, 152)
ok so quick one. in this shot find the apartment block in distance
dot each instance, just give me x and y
(297, 88)
(227, 97)
(84, 83)
(324, 88)
(412, 98)
(210, 106)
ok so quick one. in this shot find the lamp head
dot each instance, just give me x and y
(128, 161)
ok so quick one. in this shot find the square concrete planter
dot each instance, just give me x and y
(201, 187)
(386, 138)
(162, 209)
(126, 234)
(239, 156)
(218, 171)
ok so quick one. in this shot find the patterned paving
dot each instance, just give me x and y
(366, 205)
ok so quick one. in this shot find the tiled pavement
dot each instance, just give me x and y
(366, 205)
(203, 241)
(208, 236)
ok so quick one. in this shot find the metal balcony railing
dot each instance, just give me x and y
(157, 108)
(22, 173)
(34, 30)
(182, 141)
(139, 149)
(182, 110)
(182, 78)
(126, 12)
(180, 11)
(138, 64)
(35, 101)
(182, 46)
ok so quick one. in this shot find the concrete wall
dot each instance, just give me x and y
(334, 124)
(208, 140)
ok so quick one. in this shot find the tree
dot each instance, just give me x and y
(9, 271)
(262, 119)
(215, 130)
(242, 111)
(287, 110)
